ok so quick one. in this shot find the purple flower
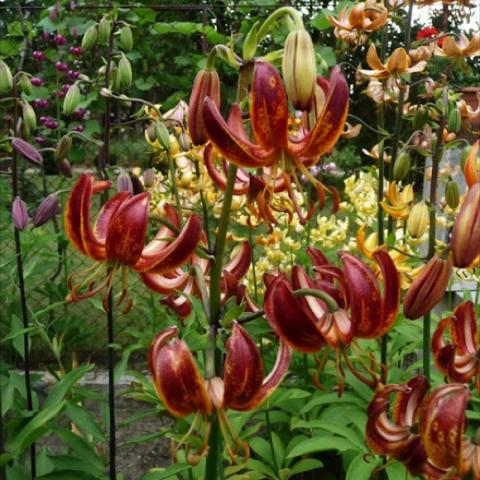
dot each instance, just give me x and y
(79, 128)
(61, 66)
(46, 35)
(59, 40)
(41, 103)
(73, 74)
(37, 82)
(79, 113)
(54, 14)
(314, 171)
(329, 167)
(74, 33)
(39, 55)
(46, 210)
(40, 140)
(49, 122)
(76, 51)
(19, 214)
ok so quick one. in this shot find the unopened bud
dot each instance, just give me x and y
(150, 133)
(250, 43)
(184, 141)
(105, 92)
(418, 220)
(149, 178)
(124, 73)
(126, 39)
(65, 167)
(6, 79)
(452, 195)
(124, 183)
(25, 84)
(206, 84)
(29, 117)
(454, 120)
(401, 167)
(299, 69)
(420, 118)
(19, 213)
(63, 147)
(46, 210)
(162, 135)
(104, 29)
(27, 151)
(71, 100)
(125, 101)
(470, 164)
(90, 38)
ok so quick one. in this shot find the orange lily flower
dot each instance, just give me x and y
(117, 240)
(398, 63)
(400, 202)
(180, 386)
(470, 170)
(463, 47)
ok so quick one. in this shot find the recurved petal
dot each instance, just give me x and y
(268, 107)
(406, 408)
(127, 230)
(237, 150)
(243, 370)
(106, 213)
(443, 353)
(165, 257)
(450, 47)
(330, 123)
(398, 62)
(373, 59)
(176, 376)
(442, 424)
(165, 283)
(464, 332)
(240, 263)
(288, 319)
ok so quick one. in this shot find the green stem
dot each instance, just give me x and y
(171, 167)
(313, 292)
(206, 226)
(275, 17)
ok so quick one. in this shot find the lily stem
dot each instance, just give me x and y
(111, 388)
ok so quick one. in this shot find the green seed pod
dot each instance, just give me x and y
(63, 147)
(90, 37)
(162, 135)
(6, 79)
(454, 122)
(250, 43)
(29, 117)
(401, 167)
(25, 84)
(124, 73)
(126, 39)
(420, 118)
(104, 30)
(452, 195)
(71, 100)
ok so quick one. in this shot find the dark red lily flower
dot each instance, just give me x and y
(442, 429)
(182, 389)
(117, 240)
(279, 151)
(398, 437)
(458, 360)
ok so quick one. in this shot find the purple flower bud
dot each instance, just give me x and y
(46, 210)
(39, 55)
(37, 82)
(65, 167)
(46, 35)
(76, 51)
(314, 171)
(52, 124)
(59, 40)
(124, 183)
(61, 66)
(41, 103)
(54, 14)
(19, 214)
(79, 113)
(79, 128)
(73, 74)
(74, 33)
(40, 140)
(329, 167)
(28, 151)
(63, 90)
(303, 178)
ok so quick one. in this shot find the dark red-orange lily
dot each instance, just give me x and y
(183, 390)
(117, 239)
(335, 307)
(398, 436)
(458, 360)
(279, 150)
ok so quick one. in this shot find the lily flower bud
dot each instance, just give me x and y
(162, 135)
(124, 73)
(401, 167)
(25, 84)
(452, 195)
(418, 220)
(126, 39)
(63, 147)
(206, 84)
(6, 79)
(65, 167)
(149, 177)
(184, 142)
(46, 210)
(104, 29)
(250, 43)
(29, 117)
(299, 69)
(28, 151)
(465, 242)
(124, 183)
(90, 37)
(470, 164)
(454, 120)
(71, 100)
(19, 213)
(428, 288)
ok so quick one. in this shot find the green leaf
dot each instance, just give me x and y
(163, 473)
(321, 444)
(359, 469)
(121, 366)
(34, 428)
(320, 21)
(262, 448)
(9, 47)
(58, 392)
(305, 465)
(69, 475)
(70, 462)
(84, 420)
(278, 449)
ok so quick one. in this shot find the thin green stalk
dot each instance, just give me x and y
(206, 226)
(171, 167)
